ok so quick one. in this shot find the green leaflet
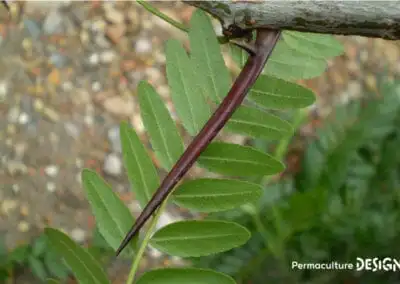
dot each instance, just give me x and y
(113, 218)
(316, 45)
(198, 238)
(52, 281)
(257, 123)
(84, 266)
(164, 136)
(211, 195)
(237, 160)
(290, 64)
(286, 63)
(206, 55)
(185, 275)
(274, 93)
(141, 172)
(186, 92)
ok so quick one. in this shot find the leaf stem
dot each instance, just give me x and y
(163, 16)
(143, 244)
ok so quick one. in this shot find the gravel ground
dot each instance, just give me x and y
(68, 76)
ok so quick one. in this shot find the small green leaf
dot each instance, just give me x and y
(20, 254)
(237, 160)
(40, 245)
(274, 93)
(4, 274)
(55, 265)
(316, 45)
(212, 195)
(85, 268)
(164, 135)
(37, 268)
(186, 89)
(290, 64)
(112, 216)
(258, 123)
(52, 281)
(199, 238)
(285, 62)
(184, 275)
(140, 169)
(206, 54)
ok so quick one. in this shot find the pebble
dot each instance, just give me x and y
(79, 163)
(24, 210)
(96, 86)
(101, 41)
(119, 106)
(51, 114)
(155, 253)
(78, 235)
(114, 16)
(15, 188)
(143, 46)
(8, 205)
(88, 120)
(163, 91)
(354, 89)
(154, 74)
(3, 90)
(94, 59)
(84, 37)
(16, 167)
(115, 139)
(33, 28)
(107, 56)
(50, 186)
(72, 130)
(171, 110)
(53, 22)
(160, 57)
(58, 60)
(78, 178)
(98, 26)
(134, 206)
(134, 20)
(165, 219)
(115, 33)
(38, 105)
(67, 86)
(23, 118)
(23, 226)
(137, 123)
(51, 170)
(20, 150)
(112, 165)
(13, 115)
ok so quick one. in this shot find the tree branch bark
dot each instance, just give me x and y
(364, 18)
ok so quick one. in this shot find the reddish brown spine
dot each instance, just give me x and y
(264, 44)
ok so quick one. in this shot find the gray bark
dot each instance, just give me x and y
(364, 18)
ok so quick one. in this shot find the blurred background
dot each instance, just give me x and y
(68, 76)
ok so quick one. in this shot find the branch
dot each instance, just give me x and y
(364, 18)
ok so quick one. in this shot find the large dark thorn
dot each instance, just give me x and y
(259, 54)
